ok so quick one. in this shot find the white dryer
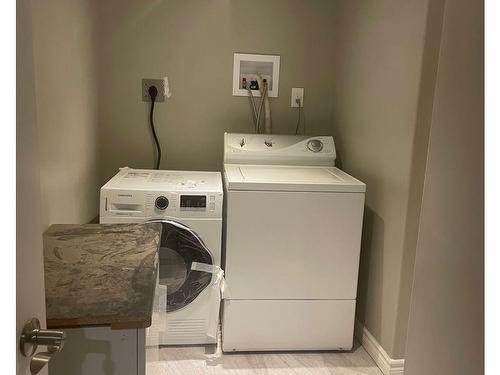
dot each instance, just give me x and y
(292, 244)
(189, 206)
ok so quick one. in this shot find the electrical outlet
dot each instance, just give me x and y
(297, 93)
(147, 83)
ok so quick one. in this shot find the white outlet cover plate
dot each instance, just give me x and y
(297, 92)
(246, 65)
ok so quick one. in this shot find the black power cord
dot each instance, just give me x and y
(153, 91)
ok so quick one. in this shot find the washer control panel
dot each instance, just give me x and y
(278, 149)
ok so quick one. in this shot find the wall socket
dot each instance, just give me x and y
(147, 83)
(297, 93)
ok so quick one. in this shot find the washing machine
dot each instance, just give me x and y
(292, 244)
(189, 206)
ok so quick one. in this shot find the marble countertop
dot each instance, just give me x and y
(101, 274)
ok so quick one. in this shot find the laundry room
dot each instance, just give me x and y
(250, 187)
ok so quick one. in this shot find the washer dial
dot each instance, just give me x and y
(315, 145)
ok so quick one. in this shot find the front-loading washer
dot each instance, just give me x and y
(189, 206)
(292, 243)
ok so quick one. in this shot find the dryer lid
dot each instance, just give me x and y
(289, 178)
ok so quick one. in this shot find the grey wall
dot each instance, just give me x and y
(65, 81)
(30, 296)
(417, 168)
(193, 42)
(383, 77)
(368, 71)
(446, 329)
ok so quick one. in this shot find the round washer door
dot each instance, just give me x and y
(180, 247)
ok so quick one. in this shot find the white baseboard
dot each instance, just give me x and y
(387, 365)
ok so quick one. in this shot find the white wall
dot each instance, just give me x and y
(446, 329)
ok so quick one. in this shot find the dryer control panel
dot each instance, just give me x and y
(159, 204)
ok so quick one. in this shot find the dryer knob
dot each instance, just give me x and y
(161, 202)
(315, 145)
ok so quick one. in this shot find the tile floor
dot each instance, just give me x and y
(201, 360)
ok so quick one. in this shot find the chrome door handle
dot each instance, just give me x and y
(32, 336)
